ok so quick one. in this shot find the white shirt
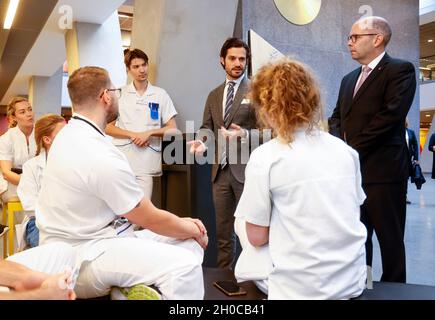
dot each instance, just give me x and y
(236, 87)
(135, 115)
(30, 181)
(309, 194)
(13, 147)
(87, 184)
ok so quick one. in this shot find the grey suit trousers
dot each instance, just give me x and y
(226, 195)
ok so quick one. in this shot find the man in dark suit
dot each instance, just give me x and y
(370, 116)
(431, 147)
(228, 114)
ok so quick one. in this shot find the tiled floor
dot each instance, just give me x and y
(419, 236)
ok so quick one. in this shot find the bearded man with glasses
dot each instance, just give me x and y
(370, 116)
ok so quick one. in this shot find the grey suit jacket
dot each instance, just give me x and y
(240, 114)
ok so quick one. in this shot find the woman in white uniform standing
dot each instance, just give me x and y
(17, 145)
(299, 215)
(46, 129)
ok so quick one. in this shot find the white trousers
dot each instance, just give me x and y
(253, 263)
(146, 184)
(173, 266)
(50, 258)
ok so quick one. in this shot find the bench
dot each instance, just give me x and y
(380, 291)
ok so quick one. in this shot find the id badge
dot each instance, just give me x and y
(154, 110)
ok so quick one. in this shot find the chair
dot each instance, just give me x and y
(9, 208)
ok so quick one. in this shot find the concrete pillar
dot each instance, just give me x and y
(45, 94)
(182, 40)
(100, 45)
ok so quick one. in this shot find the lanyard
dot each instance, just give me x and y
(89, 123)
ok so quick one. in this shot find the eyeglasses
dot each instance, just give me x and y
(117, 92)
(354, 37)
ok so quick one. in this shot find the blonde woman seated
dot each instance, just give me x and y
(17, 145)
(298, 218)
(46, 129)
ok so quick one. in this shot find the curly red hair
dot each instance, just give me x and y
(286, 97)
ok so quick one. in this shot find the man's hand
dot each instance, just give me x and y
(196, 146)
(141, 139)
(234, 131)
(202, 238)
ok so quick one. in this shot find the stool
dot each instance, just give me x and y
(9, 208)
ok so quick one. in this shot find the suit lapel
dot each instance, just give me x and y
(376, 72)
(348, 92)
(241, 91)
(218, 110)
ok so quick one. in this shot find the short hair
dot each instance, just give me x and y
(85, 84)
(235, 43)
(286, 97)
(12, 108)
(379, 24)
(44, 127)
(129, 55)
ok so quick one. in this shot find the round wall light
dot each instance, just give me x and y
(299, 11)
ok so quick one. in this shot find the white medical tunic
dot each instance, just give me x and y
(138, 113)
(14, 148)
(309, 193)
(30, 181)
(86, 185)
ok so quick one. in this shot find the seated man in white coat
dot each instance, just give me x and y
(90, 199)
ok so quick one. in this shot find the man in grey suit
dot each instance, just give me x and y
(229, 115)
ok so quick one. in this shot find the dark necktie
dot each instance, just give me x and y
(229, 102)
(228, 105)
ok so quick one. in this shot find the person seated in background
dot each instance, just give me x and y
(46, 129)
(298, 218)
(17, 145)
(43, 273)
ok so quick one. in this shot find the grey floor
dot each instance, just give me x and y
(419, 236)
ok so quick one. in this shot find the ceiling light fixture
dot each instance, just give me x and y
(10, 15)
(430, 40)
(122, 15)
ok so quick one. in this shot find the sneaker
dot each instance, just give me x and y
(3, 230)
(137, 292)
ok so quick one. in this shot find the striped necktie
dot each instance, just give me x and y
(228, 105)
(229, 101)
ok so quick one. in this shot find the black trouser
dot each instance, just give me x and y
(384, 211)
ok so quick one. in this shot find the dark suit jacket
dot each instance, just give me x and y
(373, 122)
(413, 147)
(240, 114)
(430, 147)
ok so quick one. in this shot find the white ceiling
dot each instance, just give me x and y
(427, 11)
(48, 53)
